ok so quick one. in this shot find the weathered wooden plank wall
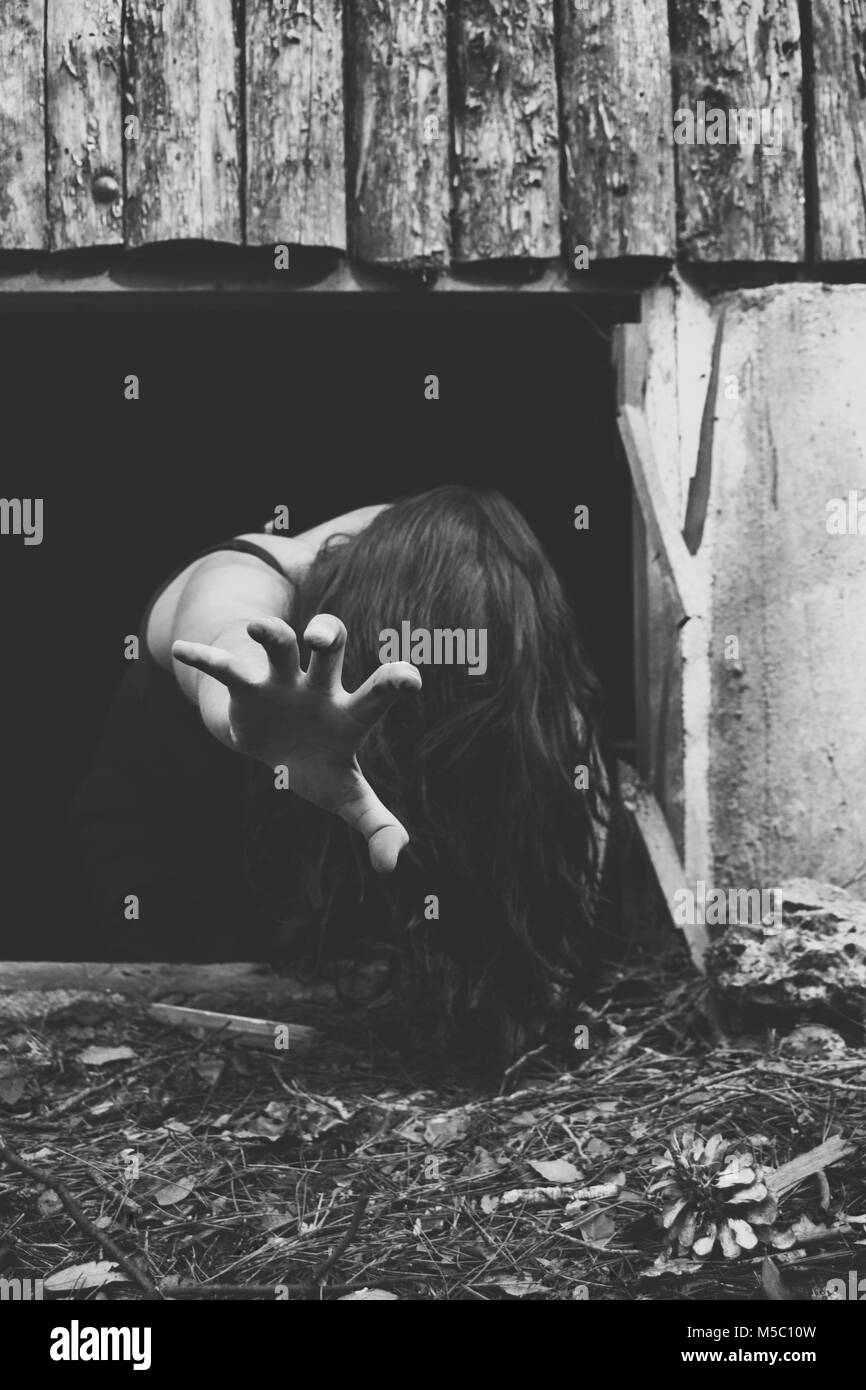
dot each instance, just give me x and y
(506, 131)
(296, 175)
(840, 127)
(740, 200)
(617, 130)
(182, 86)
(420, 132)
(398, 132)
(22, 124)
(85, 145)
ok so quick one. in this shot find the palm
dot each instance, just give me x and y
(305, 722)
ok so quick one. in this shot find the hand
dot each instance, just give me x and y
(306, 721)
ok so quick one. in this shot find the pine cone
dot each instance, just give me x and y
(712, 1192)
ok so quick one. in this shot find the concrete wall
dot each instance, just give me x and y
(773, 660)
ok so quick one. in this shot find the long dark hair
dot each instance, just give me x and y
(492, 911)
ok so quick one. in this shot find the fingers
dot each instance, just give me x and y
(326, 636)
(376, 695)
(384, 834)
(211, 661)
(281, 645)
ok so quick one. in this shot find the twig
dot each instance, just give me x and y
(518, 1066)
(318, 1275)
(267, 1290)
(81, 1219)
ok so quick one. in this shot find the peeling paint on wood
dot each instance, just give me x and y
(506, 131)
(22, 125)
(616, 112)
(295, 127)
(182, 86)
(398, 132)
(839, 28)
(741, 198)
(85, 148)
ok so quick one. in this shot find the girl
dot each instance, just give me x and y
(240, 773)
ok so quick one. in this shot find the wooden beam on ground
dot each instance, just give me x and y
(740, 200)
(839, 34)
(662, 852)
(22, 125)
(295, 123)
(85, 145)
(32, 989)
(182, 86)
(263, 1033)
(615, 93)
(398, 133)
(506, 131)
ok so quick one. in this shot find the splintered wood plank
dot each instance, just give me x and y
(182, 85)
(662, 853)
(295, 123)
(22, 125)
(34, 989)
(740, 176)
(839, 28)
(85, 148)
(265, 1033)
(506, 131)
(616, 110)
(398, 132)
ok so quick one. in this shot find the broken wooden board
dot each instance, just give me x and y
(267, 1034)
(662, 853)
(22, 125)
(741, 199)
(85, 145)
(614, 65)
(34, 989)
(398, 137)
(181, 121)
(840, 128)
(295, 124)
(506, 131)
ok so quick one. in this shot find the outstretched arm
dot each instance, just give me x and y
(236, 658)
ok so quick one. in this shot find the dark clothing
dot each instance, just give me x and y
(160, 815)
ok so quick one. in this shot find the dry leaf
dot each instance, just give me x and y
(521, 1285)
(48, 1203)
(210, 1069)
(597, 1228)
(99, 1056)
(557, 1170)
(173, 1192)
(772, 1282)
(441, 1130)
(481, 1165)
(368, 1296)
(88, 1276)
(12, 1089)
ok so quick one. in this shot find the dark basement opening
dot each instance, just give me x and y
(313, 405)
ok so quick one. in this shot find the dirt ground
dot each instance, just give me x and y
(140, 1162)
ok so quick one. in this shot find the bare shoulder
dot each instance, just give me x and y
(162, 614)
(284, 549)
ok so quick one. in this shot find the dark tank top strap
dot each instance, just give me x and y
(237, 543)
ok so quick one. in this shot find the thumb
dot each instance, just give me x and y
(385, 836)
(385, 845)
